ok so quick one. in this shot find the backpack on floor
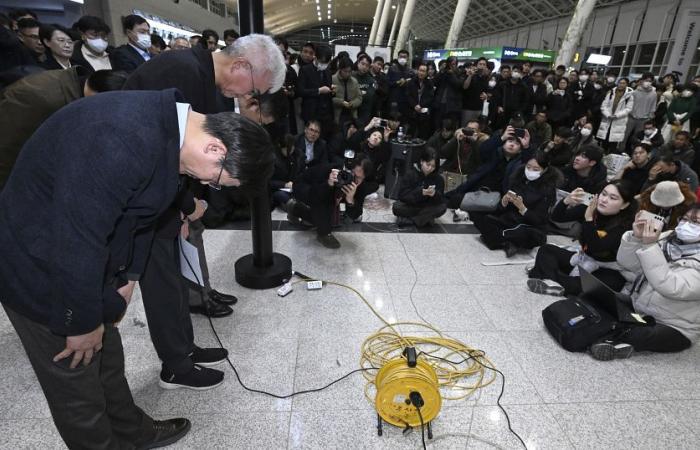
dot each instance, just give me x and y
(575, 324)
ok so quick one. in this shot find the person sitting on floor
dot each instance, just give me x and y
(669, 199)
(667, 289)
(521, 220)
(636, 171)
(604, 220)
(421, 195)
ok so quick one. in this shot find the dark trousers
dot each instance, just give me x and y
(280, 198)
(165, 300)
(421, 215)
(553, 263)
(195, 291)
(655, 338)
(495, 232)
(91, 405)
(320, 207)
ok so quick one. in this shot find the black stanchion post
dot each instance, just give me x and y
(263, 269)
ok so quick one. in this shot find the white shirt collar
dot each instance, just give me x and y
(146, 56)
(183, 109)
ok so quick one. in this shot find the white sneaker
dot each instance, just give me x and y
(460, 215)
(547, 287)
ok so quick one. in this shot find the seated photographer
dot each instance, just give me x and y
(558, 149)
(421, 194)
(604, 220)
(636, 171)
(320, 190)
(289, 163)
(521, 219)
(467, 140)
(668, 169)
(669, 200)
(666, 290)
(500, 155)
(586, 170)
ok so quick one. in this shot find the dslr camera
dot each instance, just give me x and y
(345, 176)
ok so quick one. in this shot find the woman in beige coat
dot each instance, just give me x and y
(667, 288)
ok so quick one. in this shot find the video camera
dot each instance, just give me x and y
(345, 176)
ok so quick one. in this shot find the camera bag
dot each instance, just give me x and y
(575, 324)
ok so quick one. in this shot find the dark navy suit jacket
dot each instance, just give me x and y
(93, 175)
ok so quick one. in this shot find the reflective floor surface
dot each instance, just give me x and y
(555, 399)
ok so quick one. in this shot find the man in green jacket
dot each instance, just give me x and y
(348, 96)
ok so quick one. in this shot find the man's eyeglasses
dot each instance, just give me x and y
(217, 186)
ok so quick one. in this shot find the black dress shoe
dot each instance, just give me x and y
(166, 432)
(211, 309)
(510, 249)
(224, 299)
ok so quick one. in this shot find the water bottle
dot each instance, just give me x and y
(400, 135)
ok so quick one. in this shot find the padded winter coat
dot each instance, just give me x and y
(615, 120)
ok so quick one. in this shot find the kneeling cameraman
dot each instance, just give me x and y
(320, 190)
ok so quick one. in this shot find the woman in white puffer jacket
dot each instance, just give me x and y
(667, 288)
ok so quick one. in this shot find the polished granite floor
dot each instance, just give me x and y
(555, 399)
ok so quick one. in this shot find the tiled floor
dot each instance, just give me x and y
(555, 399)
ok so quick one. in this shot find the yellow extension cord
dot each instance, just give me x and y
(460, 369)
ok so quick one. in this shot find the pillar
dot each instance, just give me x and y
(394, 26)
(457, 23)
(379, 38)
(405, 26)
(582, 13)
(375, 22)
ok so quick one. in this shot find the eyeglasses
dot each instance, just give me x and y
(34, 37)
(217, 186)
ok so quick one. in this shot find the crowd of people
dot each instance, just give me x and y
(522, 153)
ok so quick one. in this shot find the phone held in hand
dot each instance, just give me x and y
(657, 221)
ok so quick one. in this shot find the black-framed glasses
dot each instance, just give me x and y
(217, 186)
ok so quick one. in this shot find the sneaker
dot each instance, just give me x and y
(208, 357)
(165, 432)
(291, 216)
(198, 379)
(328, 241)
(547, 287)
(459, 215)
(608, 350)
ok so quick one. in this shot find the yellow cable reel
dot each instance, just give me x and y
(394, 383)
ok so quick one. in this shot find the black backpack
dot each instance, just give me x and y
(575, 324)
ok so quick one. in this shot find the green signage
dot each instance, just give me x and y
(509, 53)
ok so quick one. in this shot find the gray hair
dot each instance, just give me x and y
(264, 56)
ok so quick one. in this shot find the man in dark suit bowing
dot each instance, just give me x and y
(252, 65)
(75, 217)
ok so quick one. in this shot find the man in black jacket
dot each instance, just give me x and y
(582, 91)
(253, 64)
(315, 87)
(475, 84)
(587, 170)
(511, 97)
(310, 144)
(74, 231)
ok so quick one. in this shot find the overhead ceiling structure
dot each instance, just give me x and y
(431, 19)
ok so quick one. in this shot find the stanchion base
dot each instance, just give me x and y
(253, 277)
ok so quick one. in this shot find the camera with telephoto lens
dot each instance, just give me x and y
(345, 176)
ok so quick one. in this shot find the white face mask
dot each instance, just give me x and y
(583, 78)
(649, 132)
(516, 75)
(585, 132)
(688, 232)
(532, 175)
(611, 80)
(403, 61)
(98, 45)
(144, 41)
(321, 66)
(492, 83)
(646, 84)
(687, 93)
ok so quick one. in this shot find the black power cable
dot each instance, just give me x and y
(235, 371)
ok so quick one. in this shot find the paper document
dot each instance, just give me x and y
(189, 260)
(289, 190)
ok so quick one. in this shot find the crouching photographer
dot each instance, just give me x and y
(322, 192)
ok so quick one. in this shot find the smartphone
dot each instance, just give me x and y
(657, 221)
(587, 198)
(383, 123)
(520, 132)
(512, 193)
